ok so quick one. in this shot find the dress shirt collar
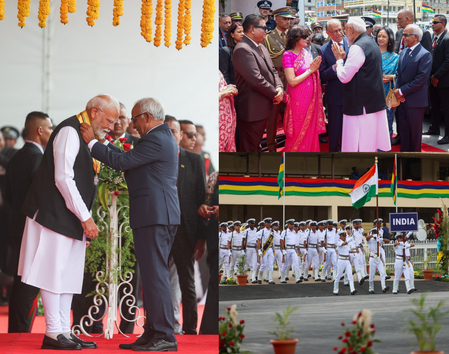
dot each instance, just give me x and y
(33, 142)
(279, 32)
(342, 42)
(413, 48)
(257, 45)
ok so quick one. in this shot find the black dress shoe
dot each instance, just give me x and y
(396, 141)
(384, 290)
(142, 340)
(371, 292)
(84, 344)
(430, 132)
(157, 345)
(322, 140)
(445, 140)
(62, 343)
(353, 292)
(361, 281)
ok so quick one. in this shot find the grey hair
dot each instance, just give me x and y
(152, 106)
(357, 24)
(104, 101)
(330, 22)
(416, 30)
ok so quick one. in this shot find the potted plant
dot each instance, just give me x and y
(359, 339)
(241, 269)
(425, 261)
(283, 343)
(230, 331)
(425, 325)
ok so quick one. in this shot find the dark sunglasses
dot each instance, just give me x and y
(435, 22)
(263, 27)
(191, 135)
(408, 34)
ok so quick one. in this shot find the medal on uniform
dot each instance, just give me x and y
(96, 180)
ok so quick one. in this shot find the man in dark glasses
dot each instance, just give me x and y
(188, 134)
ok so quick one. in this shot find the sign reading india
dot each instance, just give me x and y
(403, 222)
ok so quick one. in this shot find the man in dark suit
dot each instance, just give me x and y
(20, 172)
(258, 84)
(334, 87)
(223, 26)
(190, 239)
(439, 79)
(414, 68)
(406, 17)
(151, 171)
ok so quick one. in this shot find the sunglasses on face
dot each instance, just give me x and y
(408, 34)
(191, 135)
(435, 22)
(263, 27)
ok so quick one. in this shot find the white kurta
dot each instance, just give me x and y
(49, 260)
(367, 132)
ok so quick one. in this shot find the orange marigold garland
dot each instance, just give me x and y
(117, 12)
(207, 25)
(188, 22)
(24, 11)
(145, 21)
(71, 6)
(64, 10)
(167, 29)
(44, 11)
(93, 11)
(180, 29)
(158, 22)
(2, 10)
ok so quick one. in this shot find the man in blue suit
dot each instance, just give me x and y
(334, 87)
(151, 171)
(414, 68)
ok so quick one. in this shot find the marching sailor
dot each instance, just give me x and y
(223, 238)
(400, 265)
(357, 232)
(266, 242)
(321, 246)
(289, 251)
(353, 254)
(302, 243)
(236, 243)
(298, 274)
(331, 256)
(276, 249)
(408, 259)
(261, 226)
(249, 245)
(312, 250)
(344, 264)
(375, 261)
(342, 223)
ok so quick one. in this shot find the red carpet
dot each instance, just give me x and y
(22, 343)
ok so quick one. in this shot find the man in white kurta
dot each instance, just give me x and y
(367, 132)
(50, 260)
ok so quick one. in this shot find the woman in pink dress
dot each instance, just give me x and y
(304, 116)
(227, 118)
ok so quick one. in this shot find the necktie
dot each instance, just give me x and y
(406, 56)
(435, 41)
(260, 50)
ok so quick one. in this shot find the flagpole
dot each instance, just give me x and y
(283, 194)
(396, 181)
(377, 204)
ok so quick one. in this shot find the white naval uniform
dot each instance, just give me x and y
(290, 239)
(223, 238)
(358, 235)
(409, 266)
(375, 262)
(321, 250)
(331, 257)
(251, 252)
(312, 254)
(49, 260)
(353, 256)
(302, 238)
(400, 267)
(236, 239)
(343, 265)
(264, 234)
(278, 236)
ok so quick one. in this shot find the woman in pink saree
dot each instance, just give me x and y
(304, 116)
(227, 118)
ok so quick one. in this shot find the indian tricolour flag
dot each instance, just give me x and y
(365, 188)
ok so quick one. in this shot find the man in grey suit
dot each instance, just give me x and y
(151, 171)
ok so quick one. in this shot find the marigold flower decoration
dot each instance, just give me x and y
(2, 10)
(158, 22)
(93, 11)
(167, 29)
(145, 20)
(24, 11)
(188, 22)
(180, 29)
(207, 25)
(64, 11)
(44, 11)
(117, 12)
(72, 6)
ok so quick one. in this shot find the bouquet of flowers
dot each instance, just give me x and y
(230, 331)
(360, 338)
(441, 226)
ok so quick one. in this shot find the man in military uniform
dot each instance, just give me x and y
(289, 251)
(11, 135)
(223, 238)
(376, 261)
(317, 27)
(275, 43)
(344, 264)
(266, 246)
(312, 250)
(331, 257)
(250, 246)
(370, 22)
(264, 10)
(357, 232)
(235, 246)
(236, 17)
(276, 248)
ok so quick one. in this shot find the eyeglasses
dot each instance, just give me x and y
(265, 28)
(435, 22)
(191, 135)
(408, 34)
(110, 121)
(133, 119)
